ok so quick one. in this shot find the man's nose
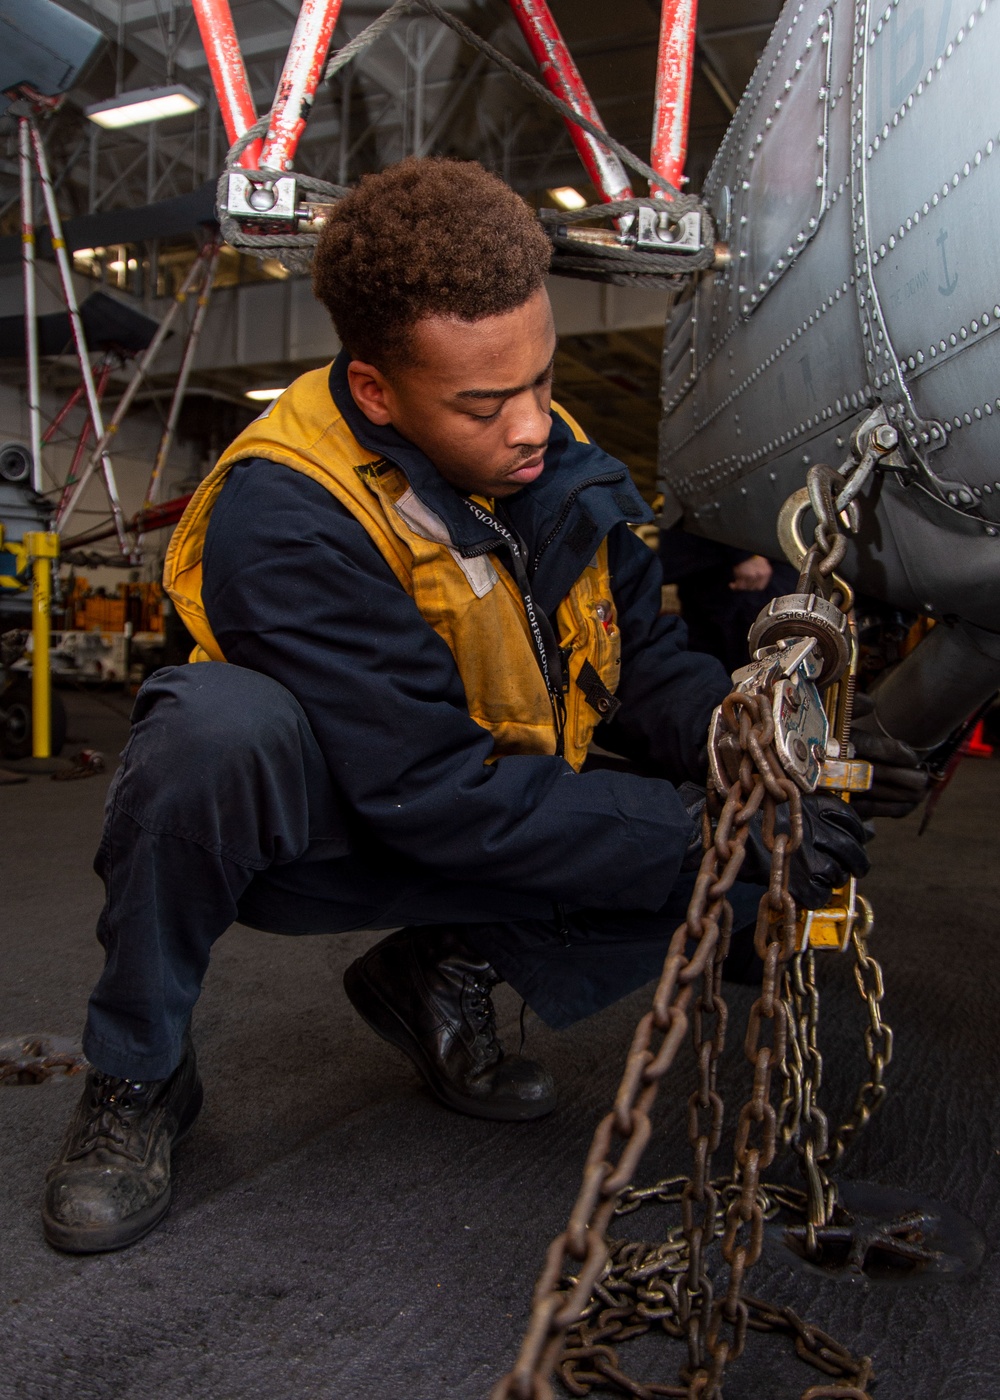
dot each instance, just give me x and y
(530, 422)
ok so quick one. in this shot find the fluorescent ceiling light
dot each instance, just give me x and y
(150, 104)
(264, 395)
(568, 197)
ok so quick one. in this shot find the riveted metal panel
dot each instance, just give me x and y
(892, 297)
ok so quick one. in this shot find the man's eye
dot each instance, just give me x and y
(486, 417)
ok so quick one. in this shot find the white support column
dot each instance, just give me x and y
(79, 340)
(30, 309)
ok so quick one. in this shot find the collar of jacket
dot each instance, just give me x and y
(562, 517)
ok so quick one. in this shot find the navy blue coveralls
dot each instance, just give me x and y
(329, 776)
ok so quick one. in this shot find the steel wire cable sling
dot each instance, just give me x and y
(610, 260)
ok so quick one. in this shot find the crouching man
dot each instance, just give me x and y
(416, 598)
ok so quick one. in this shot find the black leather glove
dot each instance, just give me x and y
(693, 798)
(832, 850)
(899, 780)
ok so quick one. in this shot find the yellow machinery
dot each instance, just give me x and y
(33, 557)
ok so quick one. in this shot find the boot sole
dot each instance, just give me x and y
(385, 1021)
(103, 1239)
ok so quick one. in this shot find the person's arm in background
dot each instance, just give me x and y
(752, 574)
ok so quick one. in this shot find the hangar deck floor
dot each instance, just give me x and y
(336, 1233)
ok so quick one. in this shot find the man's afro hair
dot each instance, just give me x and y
(425, 237)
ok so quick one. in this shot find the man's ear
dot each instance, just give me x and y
(370, 391)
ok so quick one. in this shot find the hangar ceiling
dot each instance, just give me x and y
(369, 117)
(418, 89)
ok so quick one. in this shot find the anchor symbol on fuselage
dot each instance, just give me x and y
(950, 283)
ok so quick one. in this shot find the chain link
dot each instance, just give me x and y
(642, 1289)
(699, 1198)
(764, 1045)
(715, 1328)
(620, 1290)
(877, 1038)
(804, 1124)
(805, 1127)
(34, 1059)
(654, 1048)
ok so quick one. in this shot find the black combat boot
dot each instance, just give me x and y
(426, 991)
(110, 1183)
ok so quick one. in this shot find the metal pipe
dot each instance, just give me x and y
(79, 340)
(85, 431)
(674, 65)
(150, 162)
(418, 67)
(30, 308)
(346, 79)
(95, 132)
(229, 74)
(155, 518)
(183, 374)
(717, 85)
(299, 79)
(63, 413)
(737, 31)
(43, 547)
(67, 506)
(452, 105)
(561, 76)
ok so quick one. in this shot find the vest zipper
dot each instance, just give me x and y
(608, 479)
(543, 637)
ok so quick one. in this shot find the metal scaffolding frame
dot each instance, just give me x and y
(34, 163)
(305, 65)
(101, 170)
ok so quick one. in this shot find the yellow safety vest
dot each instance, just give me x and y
(473, 604)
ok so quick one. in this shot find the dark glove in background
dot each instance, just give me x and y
(899, 782)
(832, 850)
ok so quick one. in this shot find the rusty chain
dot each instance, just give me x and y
(618, 1291)
(756, 1130)
(805, 1126)
(665, 1026)
(877, 1039)
(715, 1328)
(709, 1023)
(34, 1059)
(642, 1289)
(830, 544)
(802, 993)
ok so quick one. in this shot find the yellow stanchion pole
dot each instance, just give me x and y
(42, 547)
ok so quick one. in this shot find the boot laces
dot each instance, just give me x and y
(481, 1014)
(115, 1105)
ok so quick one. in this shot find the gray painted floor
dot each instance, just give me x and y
(336, 1233)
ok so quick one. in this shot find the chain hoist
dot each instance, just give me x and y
(774, 738)
(848, 919)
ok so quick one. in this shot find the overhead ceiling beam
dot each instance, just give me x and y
(716, 81)
(737, 31)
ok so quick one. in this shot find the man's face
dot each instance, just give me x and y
(474, 396)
